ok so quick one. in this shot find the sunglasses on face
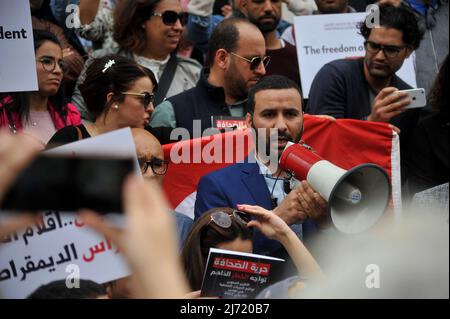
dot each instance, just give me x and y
(49, 64)
(223, 219)
(170, 17)
(146, 98)
(159, 166)
(390, 51)
(255, 62)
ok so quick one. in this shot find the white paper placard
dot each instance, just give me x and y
(17, 63)
(39, 255)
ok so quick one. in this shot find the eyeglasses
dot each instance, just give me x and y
(146, 98)
(223, 219)
(170, 17)
(49, 64)
(255, 61)
(159, 166)
(390, 51)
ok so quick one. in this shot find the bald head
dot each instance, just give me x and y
(227, 34)
(147, 148)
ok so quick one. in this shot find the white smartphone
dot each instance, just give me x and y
(417, 96)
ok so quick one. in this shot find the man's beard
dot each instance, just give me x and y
(236, 83)
(265, 27)
(385, 72)
(284, 136)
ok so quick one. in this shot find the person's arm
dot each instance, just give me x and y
(303, 203)
(200, 23)
(301, 7)
(97, 29)
(275, 228)
(327, 95)
(16, 151)
(88, 10)
(149, 241)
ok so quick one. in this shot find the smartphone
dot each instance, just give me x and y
(67, 183)
(417, 96)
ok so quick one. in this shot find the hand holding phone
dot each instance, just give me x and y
(417, 97)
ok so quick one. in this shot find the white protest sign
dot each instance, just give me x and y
(323, 38)
(63, 248)
(17, 63)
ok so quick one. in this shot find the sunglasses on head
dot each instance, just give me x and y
(170, 17)
(223, 219)
(255, 62)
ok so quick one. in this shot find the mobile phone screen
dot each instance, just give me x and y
(68, 184)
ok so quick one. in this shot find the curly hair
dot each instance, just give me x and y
(400, 18)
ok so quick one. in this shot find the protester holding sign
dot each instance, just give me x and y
(43, 112)
(363, 88)
(229, 229)
(118, 93)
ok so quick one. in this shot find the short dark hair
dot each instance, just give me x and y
(117, 78)
(400, 18)
(58, 290)
(225, 36)
(271, 82)
(129, 15)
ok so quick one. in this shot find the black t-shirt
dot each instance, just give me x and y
(67, 135)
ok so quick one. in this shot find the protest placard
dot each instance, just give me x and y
(62, 247)
(17, 64)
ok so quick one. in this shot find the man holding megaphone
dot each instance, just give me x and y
(275, 114)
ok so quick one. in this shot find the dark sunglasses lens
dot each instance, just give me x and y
(148, 98)
(171, 17)
(255, 63)
(243, 216)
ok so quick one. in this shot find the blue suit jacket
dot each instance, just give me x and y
(241, 183)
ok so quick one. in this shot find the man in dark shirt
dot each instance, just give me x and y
(266, 15)
(237, 62)
(364, 89)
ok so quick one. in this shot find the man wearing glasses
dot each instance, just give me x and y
(237, 62)
(154, 167)
(363, 88)
(266, 15)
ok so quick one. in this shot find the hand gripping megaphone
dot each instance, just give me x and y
(356, 198)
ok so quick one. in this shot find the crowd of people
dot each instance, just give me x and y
(159, 65)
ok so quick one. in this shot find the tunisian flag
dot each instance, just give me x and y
(346, 143)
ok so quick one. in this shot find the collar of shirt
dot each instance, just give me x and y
(156, 66)
(274, 184)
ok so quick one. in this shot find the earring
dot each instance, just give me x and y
(116, 106)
